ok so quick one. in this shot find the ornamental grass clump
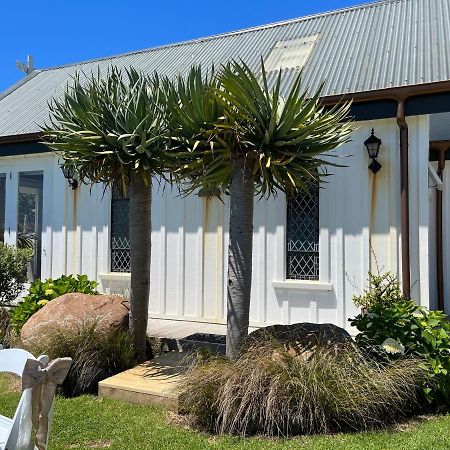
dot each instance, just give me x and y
(272, 391)
(96, 353)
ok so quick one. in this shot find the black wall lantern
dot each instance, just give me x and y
(69, 175)
(373, 145)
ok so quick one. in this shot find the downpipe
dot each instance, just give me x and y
(404, 196)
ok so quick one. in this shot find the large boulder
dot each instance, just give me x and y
(301, 338)
(70, 310)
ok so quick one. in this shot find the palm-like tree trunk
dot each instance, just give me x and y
(140, 254)
(239, 256)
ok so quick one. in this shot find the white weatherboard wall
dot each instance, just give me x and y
(74, 223)
(360, 232)
(358, 211)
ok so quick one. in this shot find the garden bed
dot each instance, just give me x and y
(89, 423)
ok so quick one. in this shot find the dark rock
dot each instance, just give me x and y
(300, 338)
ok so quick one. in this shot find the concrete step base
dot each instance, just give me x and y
(184, 336)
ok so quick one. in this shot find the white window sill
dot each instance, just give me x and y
(301, 285)
(115, 276)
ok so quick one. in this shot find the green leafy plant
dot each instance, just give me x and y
(96, 353)
(384, 290)
(41, 292)
(272, 391)
(394, 325)
(13, 272)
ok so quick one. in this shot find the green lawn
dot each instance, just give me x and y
(88, 423)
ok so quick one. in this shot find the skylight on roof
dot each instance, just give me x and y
(290, 54)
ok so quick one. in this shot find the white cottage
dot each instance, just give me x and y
(310, 256)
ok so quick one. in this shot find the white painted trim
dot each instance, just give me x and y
(439, 184)
(115, 276)
(303, 285)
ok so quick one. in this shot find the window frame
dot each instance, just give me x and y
(116, 197)
(310, 274)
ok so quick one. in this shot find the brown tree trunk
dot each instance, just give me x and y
(140, 254)
(239, 257)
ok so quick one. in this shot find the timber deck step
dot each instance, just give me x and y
(153, 382)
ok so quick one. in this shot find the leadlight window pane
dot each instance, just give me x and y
(302, 236)
(120, 233)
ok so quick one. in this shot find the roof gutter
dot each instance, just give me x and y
(400, 95)
(20, 138)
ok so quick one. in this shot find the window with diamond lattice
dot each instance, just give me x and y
(120, 234)
(302, 236)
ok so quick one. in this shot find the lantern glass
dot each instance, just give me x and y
(373, 145)
(68, 172)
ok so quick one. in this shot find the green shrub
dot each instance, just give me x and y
(41, 292)
(274, 392)
(97, 354)
(384, 289)
(395, 326)
(13, 272)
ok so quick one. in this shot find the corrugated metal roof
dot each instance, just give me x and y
(369, 47)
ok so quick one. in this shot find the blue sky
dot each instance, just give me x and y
(62, 32)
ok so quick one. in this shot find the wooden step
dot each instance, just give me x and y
(154, 382)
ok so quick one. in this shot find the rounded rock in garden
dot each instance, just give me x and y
(71, 310)
(301, 338)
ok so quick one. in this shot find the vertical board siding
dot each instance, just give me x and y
(359, 221)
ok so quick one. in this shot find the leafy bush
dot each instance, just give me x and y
(13, 272)
(395, 325)
(384, 289)
(41, 292)
(272, 391)
(97, 354)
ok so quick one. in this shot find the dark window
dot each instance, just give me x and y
(120, 233)
(302, 236)
(29, 218)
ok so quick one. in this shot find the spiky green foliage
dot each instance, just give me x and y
(235, 112)
(110, 128)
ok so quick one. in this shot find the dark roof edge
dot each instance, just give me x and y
(20, 138)
(399, 93)
(396, 93)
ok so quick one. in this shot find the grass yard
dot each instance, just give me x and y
(88, 423)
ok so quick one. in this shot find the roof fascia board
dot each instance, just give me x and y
(400, 93)
(397, 93)
(20, 138)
